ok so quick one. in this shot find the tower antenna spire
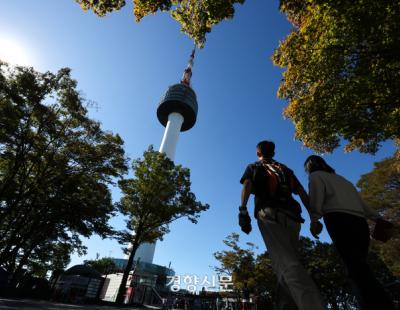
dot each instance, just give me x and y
(187, 74)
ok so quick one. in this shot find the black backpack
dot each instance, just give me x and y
(275, 182)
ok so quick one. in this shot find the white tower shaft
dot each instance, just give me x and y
(171, 135)
(168, 146)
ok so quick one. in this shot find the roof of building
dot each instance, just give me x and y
(84, 271)
(144, 267)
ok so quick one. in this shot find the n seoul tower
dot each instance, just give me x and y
(177, 112)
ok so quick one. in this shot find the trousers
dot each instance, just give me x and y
(350, 235)
(296, 289)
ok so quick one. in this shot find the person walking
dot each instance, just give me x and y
(279, 219)
(337, 201)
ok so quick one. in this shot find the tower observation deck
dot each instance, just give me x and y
(177, 112)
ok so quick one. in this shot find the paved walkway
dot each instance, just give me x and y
(25, 304)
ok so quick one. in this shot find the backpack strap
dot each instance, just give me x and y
(275, 168)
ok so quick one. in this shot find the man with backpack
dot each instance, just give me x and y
(279, 219)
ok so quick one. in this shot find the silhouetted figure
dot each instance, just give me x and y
(344, 212)
(279, 219)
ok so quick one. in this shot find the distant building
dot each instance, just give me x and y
(146, 282)
(78, 283)
(145, 253)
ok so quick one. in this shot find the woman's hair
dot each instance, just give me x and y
(317, 163)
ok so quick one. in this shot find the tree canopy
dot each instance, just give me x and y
(246, 267)
(380, 188)
(320, 259)
(342, 70)
(55, 167)
(158, 194)
(197, 17)
(104, 265)
(341, 63)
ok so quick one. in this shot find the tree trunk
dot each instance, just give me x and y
(18, 271)
(122, 288)
(17, 241)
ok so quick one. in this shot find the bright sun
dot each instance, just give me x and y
(13, 52)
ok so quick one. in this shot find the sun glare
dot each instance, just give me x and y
(13, 52)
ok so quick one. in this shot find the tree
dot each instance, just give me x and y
(197, 17)
(244, 266)
(52, 256)
(380, 188)
(236, 262)
(55, 167)
(103, 265)
(341, 64)
(158, 194)
(320, 259)
(325, 267)
(342, 68)
(341, 61)
(265, 278)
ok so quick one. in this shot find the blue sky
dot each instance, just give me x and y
(125, 67)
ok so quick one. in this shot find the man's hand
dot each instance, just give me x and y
(316, 228)
(244, 220)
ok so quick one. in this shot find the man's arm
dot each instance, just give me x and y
(304, 198)
(298, 189)
(246, 191)
(244, 218)
(315, 226)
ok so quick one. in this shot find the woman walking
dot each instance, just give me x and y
(337, 201)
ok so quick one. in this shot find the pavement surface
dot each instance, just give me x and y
(25, 304)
